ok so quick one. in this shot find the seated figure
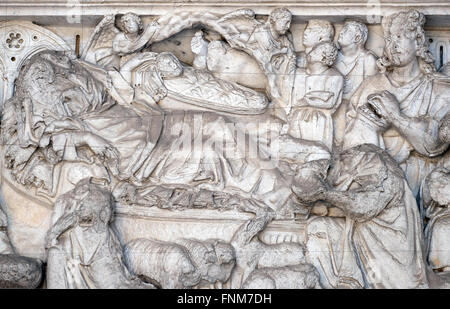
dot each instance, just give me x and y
(83, 250)
(366, 231)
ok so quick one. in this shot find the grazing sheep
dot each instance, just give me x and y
(166, 265)
(214, 259)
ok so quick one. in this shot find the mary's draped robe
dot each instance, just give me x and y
(187, 148)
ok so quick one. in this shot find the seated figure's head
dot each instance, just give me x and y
(168, 65)
(130, 23)
(280, 20)
(405, 41)
(316, 31)
(324, 52)
(353, 33)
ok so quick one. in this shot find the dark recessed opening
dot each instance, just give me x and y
(77, 45)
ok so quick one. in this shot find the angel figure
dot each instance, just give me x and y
(117, 43)
(115, 37)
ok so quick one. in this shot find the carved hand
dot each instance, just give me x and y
(385, 104)
(309, 197)
(309, 189)
(59, 125)
(102, 148)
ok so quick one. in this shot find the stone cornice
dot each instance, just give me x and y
(149, 7)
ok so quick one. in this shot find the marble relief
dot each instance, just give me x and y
(253, 166)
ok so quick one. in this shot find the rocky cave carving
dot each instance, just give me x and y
(329, 164)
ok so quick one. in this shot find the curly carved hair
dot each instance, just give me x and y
(279, 13)
(412, 24)
(129, 16)
(328, 50)
(326, 29)
(359, 27)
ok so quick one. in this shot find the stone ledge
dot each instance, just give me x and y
(148, 7)
(61, 11)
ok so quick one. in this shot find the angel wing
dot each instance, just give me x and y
(237, 27)
(101, 39)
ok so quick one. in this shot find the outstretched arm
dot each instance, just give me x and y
(360, 205)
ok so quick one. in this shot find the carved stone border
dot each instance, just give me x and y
(149, 7)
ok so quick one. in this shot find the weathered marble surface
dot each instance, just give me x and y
(221, 148)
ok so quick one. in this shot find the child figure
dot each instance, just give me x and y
(317, 95)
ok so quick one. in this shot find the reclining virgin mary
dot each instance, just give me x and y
(63, 113)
